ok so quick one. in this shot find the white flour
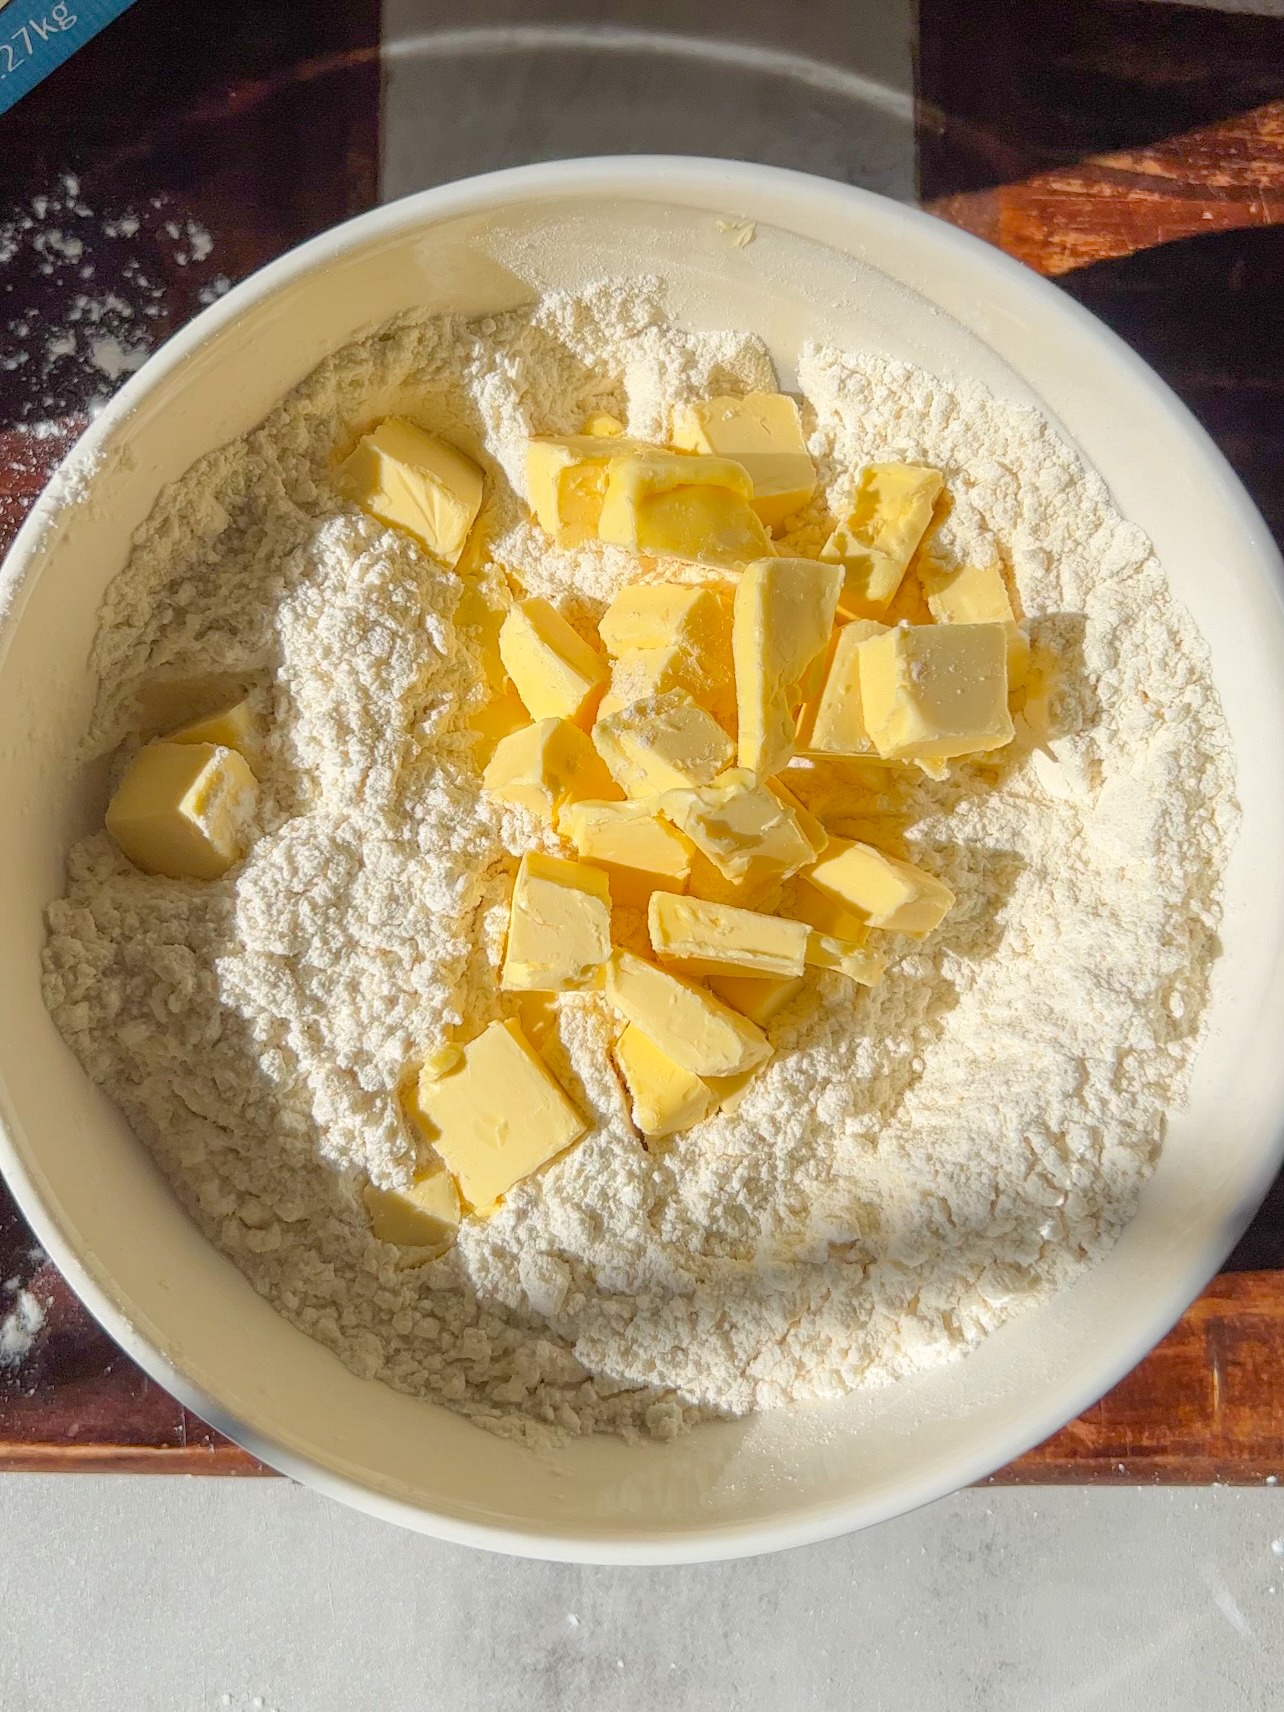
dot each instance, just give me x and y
(915, 1164)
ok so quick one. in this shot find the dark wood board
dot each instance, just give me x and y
(1132, 152)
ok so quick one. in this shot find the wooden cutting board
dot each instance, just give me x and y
(1132, 152)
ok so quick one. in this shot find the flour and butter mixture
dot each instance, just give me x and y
(932, 1128)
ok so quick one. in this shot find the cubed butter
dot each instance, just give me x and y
(759, 892)
(682, 507)
(936, 690)
(783, 616)
(825, 913)
(744, 829)
(665, 1098)
(661, 615)
(763, 432)
(479, 617)
(759, 997)
(667, 742)
(603, 424)
(880, 890)
(717, 938)
(415, 481)
(498, 719)
(977, 594)
(184, 809)
(554, 670)
(638, 851)
(497, 1116)
(640, 673)
(684, 1020)
(231, 727)
(845, 958)
(566, 480)
(426, 1215)
(812, 829)
(880, 534)
(545, 766)
(559, 927)
(833, 722)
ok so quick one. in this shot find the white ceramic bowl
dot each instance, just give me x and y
(827, 261)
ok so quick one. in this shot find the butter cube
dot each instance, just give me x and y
(977, 594)
(759, 997)
(682, 507)
(184, 809)
(833, 723)
(426, 1215)
(740, 826)
(759, 892)
(880, 890)
(231, 727)
(554, 670)
(665, 1098)
(496, 1116)
(662, 615)
(664, 743)
(545, 766)
(478, 618)
(566, 480)
(414, 481)
(559, 928)
(637, 851)
(499, 718)
(763, 432)
(880, 534)
(685, 1021)
(665, 637)
(709, 937)
(826, 914)
(812, 829)
(603, 424)
(782, 619)
(936, 690)
(845, 958)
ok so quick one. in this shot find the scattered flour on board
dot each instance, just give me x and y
(915, 1164)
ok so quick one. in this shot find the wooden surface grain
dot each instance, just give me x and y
(1132, 152)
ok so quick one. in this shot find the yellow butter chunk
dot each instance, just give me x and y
(664, 637)
(977, 594)
(708, 937)
(682, 507)
(479, 617)
(743, 828)
(496, 1116)
(833, 722)
(812, 829)
(638, 851)
(545, 766)
(554, 670)
(184, 809)
(559, 928)
(566, 479)
(825, 914)
(759, 997)
(878, 537)
(782, 618)
(415, 481)
(880, 890)
(936, 690)
(665, 1098)
(426, 1215)
(664, 743)
(763, 432)
(603, 424)
(845, 958)
(684, 1020)
(232, 727)
(499, 719)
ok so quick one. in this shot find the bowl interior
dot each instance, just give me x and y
(825, 263)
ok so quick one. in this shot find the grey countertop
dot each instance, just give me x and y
(158, 1595)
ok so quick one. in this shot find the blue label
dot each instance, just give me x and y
(34, 38)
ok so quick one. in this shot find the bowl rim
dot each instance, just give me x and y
(651, 178)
